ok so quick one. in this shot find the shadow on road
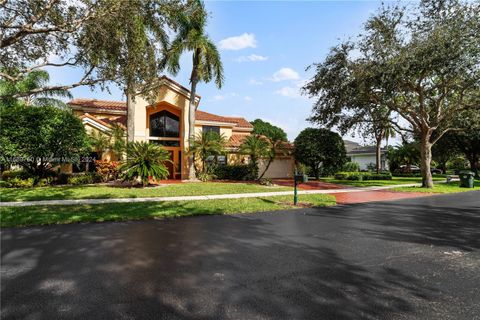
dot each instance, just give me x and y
(204, 268)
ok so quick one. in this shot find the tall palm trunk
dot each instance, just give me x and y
(191, 113)
(130, 114)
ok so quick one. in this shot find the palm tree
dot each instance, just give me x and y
(207, 144)
(256, 147)
(118, 143)
(206, 66)
(145, 160)
(33, 80)
(100, 142)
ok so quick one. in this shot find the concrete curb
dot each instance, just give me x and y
(193, 198)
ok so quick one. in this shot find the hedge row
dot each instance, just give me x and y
(234, 172)
(361, 176)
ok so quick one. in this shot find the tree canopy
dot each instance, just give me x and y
(38, 138)
(420, 61)
(320, 149)
(268, 130)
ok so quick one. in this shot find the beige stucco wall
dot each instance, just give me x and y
(225, 131)
(281, 167)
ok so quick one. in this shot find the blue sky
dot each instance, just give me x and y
(265, 48)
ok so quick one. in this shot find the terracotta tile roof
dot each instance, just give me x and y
(99, 104)
(122, 121)
(241, 122)
(205, 116)
(236, 140)
(87, 115)
(121, 105)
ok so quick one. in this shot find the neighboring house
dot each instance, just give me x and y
(365, 155)
(164, 121)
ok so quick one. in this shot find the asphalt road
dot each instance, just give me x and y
(407, 259)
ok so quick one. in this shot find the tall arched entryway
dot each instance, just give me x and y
(164, 128)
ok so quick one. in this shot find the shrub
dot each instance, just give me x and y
(351, 167)
(106, 170)
(11, 174)
(205, 176)
(359, 176)
(234, 172)
(145, 160)
(18, 183)
(80, 179)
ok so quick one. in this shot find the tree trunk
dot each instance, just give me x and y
(191, 126)
(378, 154)
(270, 160)
(473, 159)
(426, 159)
(130, 115)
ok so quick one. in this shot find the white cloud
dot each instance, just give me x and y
(291, 92)
(247, 98)
(252, 58)
(285, 74)
(254, 82)
(246, 40)
(218, 98)
(221, 97)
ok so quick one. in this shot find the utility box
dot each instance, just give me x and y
(301, 178)
(467, 179)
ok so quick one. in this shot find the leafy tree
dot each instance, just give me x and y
(206, 144)
(109, 40)
(144, 161)
(320, 149)
(466, 141)
(33, 80)
(405, 154)
(421, 62)
(268, 130)
(39, 138)
(206, 62)
(256, 147)
(345, 103)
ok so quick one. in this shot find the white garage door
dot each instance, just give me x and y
(279, 168)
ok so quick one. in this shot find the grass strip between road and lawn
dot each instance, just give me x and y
(379, 183)
(45, 215)
(109, 192)
(450, 187)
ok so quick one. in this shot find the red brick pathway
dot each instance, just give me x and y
(352, 197)
(379, 195)
(311, 185)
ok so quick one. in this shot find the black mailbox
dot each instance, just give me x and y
(301, 178)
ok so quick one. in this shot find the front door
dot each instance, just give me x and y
(170, 166)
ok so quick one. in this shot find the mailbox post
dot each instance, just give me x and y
(298, 178)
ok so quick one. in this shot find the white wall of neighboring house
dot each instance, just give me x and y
(365, 159)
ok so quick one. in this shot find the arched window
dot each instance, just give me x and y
(164, 124)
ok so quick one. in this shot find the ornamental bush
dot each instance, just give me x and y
(360, 176)
(107, 170)
(240, 172)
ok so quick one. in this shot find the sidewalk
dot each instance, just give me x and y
(197, 198)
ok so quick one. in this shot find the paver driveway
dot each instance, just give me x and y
(407, 259)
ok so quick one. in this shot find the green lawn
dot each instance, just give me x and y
(440, 188)
(104, 192)
(43, 215)
(376, 183)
